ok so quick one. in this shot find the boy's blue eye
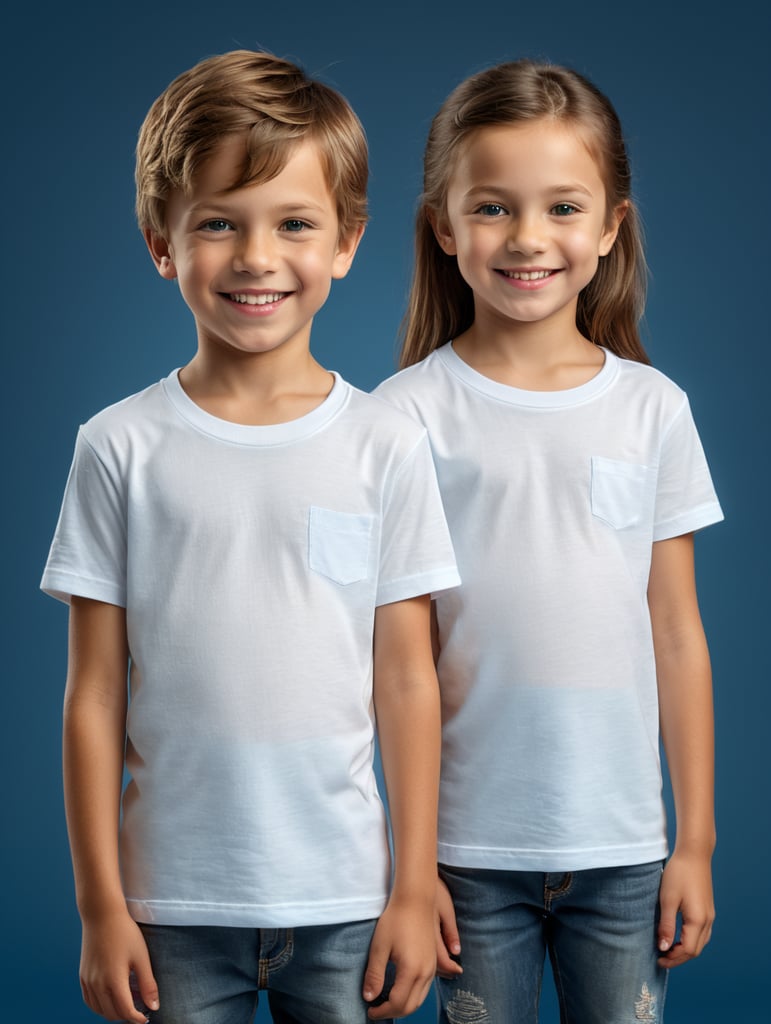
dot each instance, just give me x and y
(564, 209)
(216, 225)
(491, 209)
(294, 224)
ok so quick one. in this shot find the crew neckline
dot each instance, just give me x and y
(532, 399)
(259, 435)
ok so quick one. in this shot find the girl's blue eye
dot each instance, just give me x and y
(216, 225)
(294, 224)
(564, 209)
(491, 209)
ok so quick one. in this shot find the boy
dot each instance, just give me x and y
(253, 537)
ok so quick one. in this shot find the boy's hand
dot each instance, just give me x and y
(113, 948)
(404, 936)
(686, 888)
(447, 938)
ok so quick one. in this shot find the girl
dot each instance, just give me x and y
(573, 480)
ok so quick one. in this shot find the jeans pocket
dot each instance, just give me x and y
(618, 491)
(339, 544)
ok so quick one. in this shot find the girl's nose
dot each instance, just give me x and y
(526, 235)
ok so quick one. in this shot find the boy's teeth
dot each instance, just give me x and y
(257, 300)
(527, 275)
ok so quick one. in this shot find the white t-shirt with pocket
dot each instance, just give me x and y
(250, 561)
(550, 711)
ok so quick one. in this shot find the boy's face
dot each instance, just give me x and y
(254, 265)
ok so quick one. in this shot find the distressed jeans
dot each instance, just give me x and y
(598, 927)
(213, 975)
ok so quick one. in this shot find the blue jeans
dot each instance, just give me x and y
(598, 927)
(213, 975)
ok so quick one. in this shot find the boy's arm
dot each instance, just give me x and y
(687, 728)
(95, 708)
(408, 720)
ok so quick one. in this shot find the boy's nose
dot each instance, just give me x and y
(255, 253)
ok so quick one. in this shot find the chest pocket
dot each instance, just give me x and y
(339, 544)
(618, 491)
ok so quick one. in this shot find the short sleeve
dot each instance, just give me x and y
(685, 495)
(88, 552)
(416, 554)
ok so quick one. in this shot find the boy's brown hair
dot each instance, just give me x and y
(275, 106)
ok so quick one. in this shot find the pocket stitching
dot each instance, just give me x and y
(342, 565)
(623, 509)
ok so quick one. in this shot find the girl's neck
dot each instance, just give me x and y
(533, 356)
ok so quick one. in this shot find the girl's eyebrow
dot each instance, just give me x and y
(549, 189)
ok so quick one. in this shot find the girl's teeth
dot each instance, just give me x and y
(527, 275)
(257, 300)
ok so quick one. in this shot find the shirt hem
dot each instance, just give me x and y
(689, 522)
(414, 586)
(551, 860)
(235, 915)
(64, 586)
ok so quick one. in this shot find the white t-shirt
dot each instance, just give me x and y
(550, 712)
(250, 561)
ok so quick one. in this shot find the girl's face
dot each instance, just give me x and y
(527, 219)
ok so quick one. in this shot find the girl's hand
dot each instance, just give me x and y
(686, 889)
(114, 948)
(447, 938)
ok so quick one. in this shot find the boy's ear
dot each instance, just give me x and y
(442, 232)
(611, 228)
(346, 250)
(161, 254)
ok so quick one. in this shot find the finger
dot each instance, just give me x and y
(446, 965)
(404, 998)
(117, 1003)
(674, 957)
(374, 976)
(667, 929)
(448, 928)
(124, 1008)
(144, 987)
(695, 936)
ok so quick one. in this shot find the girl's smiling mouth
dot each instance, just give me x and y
(259, 299)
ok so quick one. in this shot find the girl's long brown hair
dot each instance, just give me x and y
(441, 304)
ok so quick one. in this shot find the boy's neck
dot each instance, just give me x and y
(533, 357)
(256, 390)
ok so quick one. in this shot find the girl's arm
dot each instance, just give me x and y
(687, 728)
(447, 937)
(408, 720)
(95, 708)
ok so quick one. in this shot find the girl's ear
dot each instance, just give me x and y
(440, 225)
(611, 228)
(161, 254)
(346, 250)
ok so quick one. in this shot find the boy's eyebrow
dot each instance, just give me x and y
(230, 200)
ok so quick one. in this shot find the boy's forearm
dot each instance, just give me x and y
(92, 785)
(409, 732)
(95, 708)
(410, 745)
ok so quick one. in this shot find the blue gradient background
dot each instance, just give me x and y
(86, 320)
